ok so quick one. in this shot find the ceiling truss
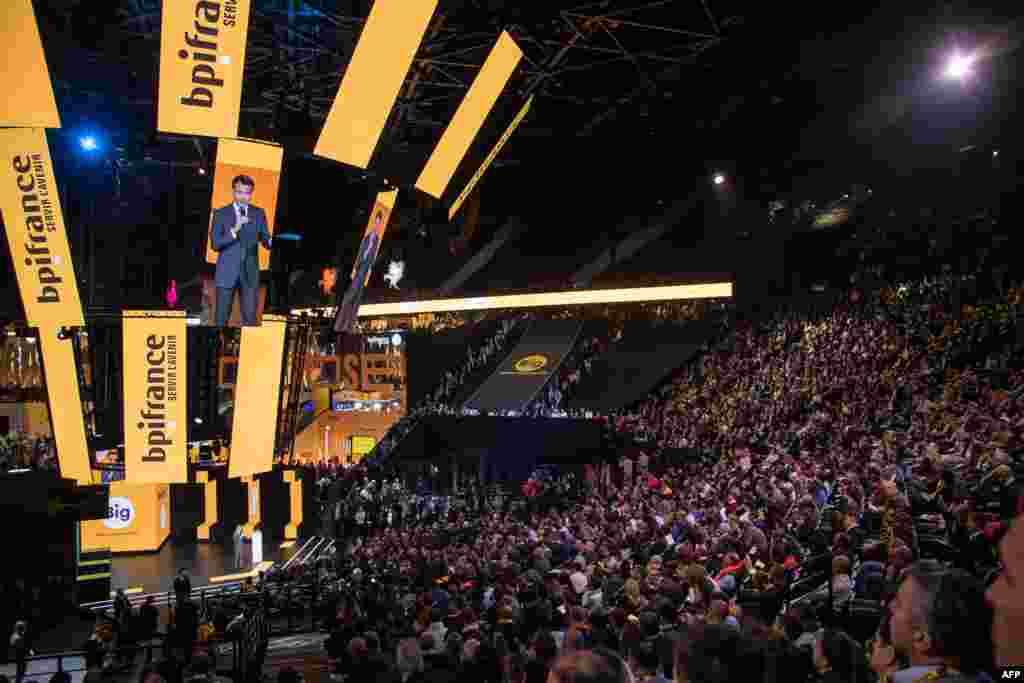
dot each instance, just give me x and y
(298, 50)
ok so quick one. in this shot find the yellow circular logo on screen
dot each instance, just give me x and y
(531, 363)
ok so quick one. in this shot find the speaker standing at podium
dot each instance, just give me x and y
(238, 230)
(239, 538)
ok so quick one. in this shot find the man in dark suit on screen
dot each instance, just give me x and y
(238, 230)
(349, 309)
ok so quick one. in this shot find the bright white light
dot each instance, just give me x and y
(396, 271)
(995, 153)
(959, 66)
(719, 178)
(89, 143)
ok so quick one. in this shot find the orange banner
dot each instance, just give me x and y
(35, 230)
(258, 160)
(470, 116)
(65, 402)
(28, 100)
(495, 151)
(373, 78)
(257, 393)
(202, 60)
(155, 397)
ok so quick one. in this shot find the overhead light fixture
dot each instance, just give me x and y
(712, 290)
(960, 66)
(718, 179)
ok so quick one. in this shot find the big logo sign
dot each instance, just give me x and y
(120, 513)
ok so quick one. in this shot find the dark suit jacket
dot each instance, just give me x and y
(367, 255)
(238, 258)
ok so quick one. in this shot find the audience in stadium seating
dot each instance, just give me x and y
(21, 451)
(844, 464)
(813, 480)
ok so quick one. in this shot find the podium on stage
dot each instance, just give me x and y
(257, 547)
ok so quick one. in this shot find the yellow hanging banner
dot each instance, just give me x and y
(28, 100)
(470, 116)
(257, 393)
(202, 60)
(373, 79)
(495, 151)
(35, 230)
(155, 397)
(65, 403)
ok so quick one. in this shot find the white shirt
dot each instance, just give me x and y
(238, 217)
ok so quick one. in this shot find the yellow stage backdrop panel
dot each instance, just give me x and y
(28, 100)
(35, 230)
(257, 390)
(138, 520)
(65, 403)
(261, 161)
(373, 79)
(202, 61)
(155, 376)
(457, 204)
(470, 116)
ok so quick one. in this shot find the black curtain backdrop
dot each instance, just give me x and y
(275, 504)
(188, 510)
(510, 389)
(432, 355)
(188, 507)
(626, 374)
(231, 504)
(503, 448)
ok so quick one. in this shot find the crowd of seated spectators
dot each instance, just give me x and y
(819, 481)
(20, 451)
(813, 485)
(559, 389)
(438, 402)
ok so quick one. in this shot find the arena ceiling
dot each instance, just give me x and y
(584, 62)
(637, 101)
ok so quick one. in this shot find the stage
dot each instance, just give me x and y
(208, 564)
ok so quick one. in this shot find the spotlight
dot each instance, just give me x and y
(199, 420)
(959, 66)
(718, 179)
(89, 143)
(202, 171)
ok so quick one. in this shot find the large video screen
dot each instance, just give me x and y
(363, 267)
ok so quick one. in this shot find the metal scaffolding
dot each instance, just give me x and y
(583, 63)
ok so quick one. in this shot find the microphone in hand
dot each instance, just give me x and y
(243, 218)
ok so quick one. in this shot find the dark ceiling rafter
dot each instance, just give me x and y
(298, 51)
